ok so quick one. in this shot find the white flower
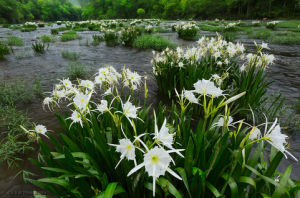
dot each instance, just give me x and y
(189, 95)
(163, 136)
(102, 107)
(87, 84)
(126, 148)
(277, 139)
(99, 79)
(81, 101)
(40, 129)
(75, 117)
(219, 63)
(264, 46)
(67, 83)
(129, 110)
(180, 64)
(47, 101)
(156, 163)
(107, 92)
(255, 133)
(132, 78)
(206, 87)
(222, 122)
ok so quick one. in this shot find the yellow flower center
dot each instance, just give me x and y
(128, 147)
(154, 159)
(82, 100)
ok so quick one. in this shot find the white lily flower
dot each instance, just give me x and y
(40, 129)
(156, 163)
(129, 110)
(189, 95)
(126, 148)
(76, 118)
(87, 84)
(207, 87)
(102, 107)
(81, 101)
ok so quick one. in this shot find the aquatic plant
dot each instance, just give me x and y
(187, 31)
(48, 38)
(70, 55)
(154, 42)
(128, 36)
(111, 38)
(97, 39)
(111, 145)
(15, 41)
(4, 50)
(69, 36)
(272, 25)
(38, 47)
(77, 70)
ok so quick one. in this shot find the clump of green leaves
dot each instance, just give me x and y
(38, 47)
(153, 42)
(69, 36)
(97, 39)
(4, 50)
(70, 55)
(77, 70)
(111, 38)
(15, 41)
(48, 39)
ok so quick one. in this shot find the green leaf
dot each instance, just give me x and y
(283, 181)
(55, 180)
(213, 189)
(247, 180)
(182, 173)
(166, 184)
(111, 190)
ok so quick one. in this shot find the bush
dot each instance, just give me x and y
(15, 41)
(153, 42)
(259, 33)
(54, 31)
(70, 55)
(290, 38)
(4, 50)
(69, 36)
(140, 12)
(6, 25)
(111, 38)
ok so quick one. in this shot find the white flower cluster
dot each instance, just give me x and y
(186, 26)
(30, 23)
(221, 50)
(231, 25)
(79, 96)
(272, 22)
(149, 28)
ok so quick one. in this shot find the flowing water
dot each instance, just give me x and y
(24, 64)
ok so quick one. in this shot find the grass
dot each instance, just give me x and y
(162, 30)
(4, 50)
(69, 36)
(261, 33)
(285, 38)
(211, 28)
(13, 140)
(70, 55)
(230, 36)
(153, 42)
(97, 39)
(77, 70)
(15, 41)
(48, 39)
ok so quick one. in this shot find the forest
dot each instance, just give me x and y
(16, 11)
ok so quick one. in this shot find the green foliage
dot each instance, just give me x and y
(128, 37)
(54, 31)
(14, 142)
(140, 12)
(4, 50)
(111, 38)
(77, 70)
(211, 28)
(15, 41)
(260, 33)
(48, 39)
(70, 55)
(153, 42)
(38, 47)
(285, 38)
(97, 39)
(69, 36)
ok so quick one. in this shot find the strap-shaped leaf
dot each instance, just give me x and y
(166, 184)
(247, 180)
(213, 189)
(182, 173)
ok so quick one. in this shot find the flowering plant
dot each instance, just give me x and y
(187, 31)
